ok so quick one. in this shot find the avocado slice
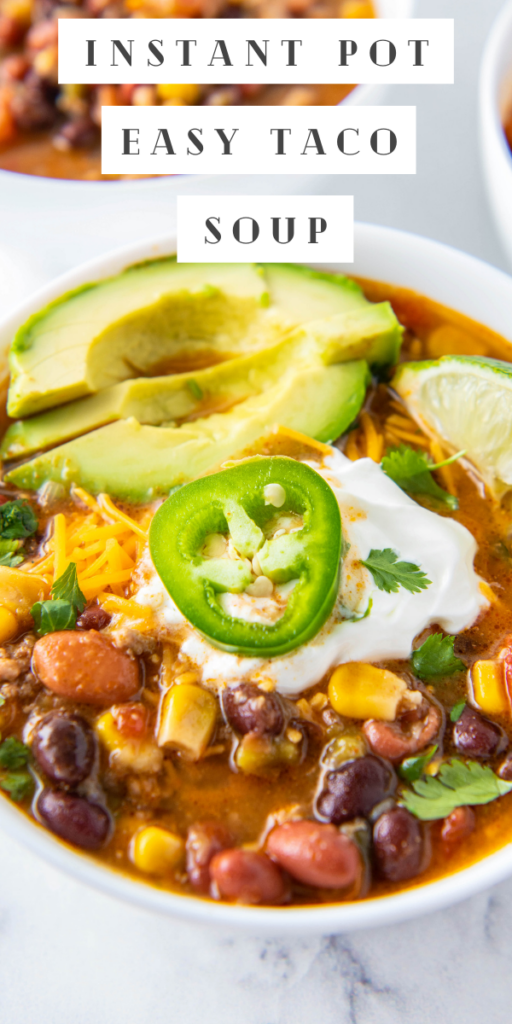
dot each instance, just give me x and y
(162, 317)
(138, 462)
(145, 321)
(371, 332)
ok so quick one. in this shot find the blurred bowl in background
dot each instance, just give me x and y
(495, 108)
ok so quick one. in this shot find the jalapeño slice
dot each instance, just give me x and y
(237, 504)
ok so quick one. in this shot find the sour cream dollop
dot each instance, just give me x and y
(375, 513)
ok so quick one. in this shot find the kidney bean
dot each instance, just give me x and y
(475, 736)
(204, 840)
(94, 617)
(11, 31)
(64, 747)
(458, 825)
(315, 854)
(80, 133)
(249, 709)
(85, 667)
(31, 104)
(398, 845)
(392, 741)
(246, 877)
(74, 819)
(354, 789)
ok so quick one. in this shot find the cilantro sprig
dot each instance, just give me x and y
(413, 767)
(457, 710)
(435, 657)
(67, 601)
(412, 471)
(458, 784)
(17, 520)
(8, 556)
(14, 755)
(390, 574)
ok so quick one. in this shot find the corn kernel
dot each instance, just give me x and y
(129, 753)
(20, 590)
(356, 9)
(156, 851)
(187, 720)
(8, 624)
(488, 681)
(357, 690)
(259, 755)
(187, 92)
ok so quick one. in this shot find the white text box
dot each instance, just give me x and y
(232, 51)
(279, 229)
(259, 140)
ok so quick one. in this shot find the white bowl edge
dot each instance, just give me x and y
(495, 78)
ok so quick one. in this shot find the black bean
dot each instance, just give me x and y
(94, 617)
(398, 845)
(32, 104)
(74, 819)
(476, 736)
(352, 790)
(64, 747)
(249, 709)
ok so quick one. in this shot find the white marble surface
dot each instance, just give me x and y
(71, 954)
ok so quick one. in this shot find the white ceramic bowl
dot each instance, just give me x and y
(21, 185)
(495, 102)
(447, 276)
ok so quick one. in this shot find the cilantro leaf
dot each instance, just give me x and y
(457, 710)
(8, 554)
(13, 753)
(50, 616)
(412, 471)
(413, 767)
(66, 588)
(17, 520)
(17, 784)
(435, 657)
(195, 390)
(459, 784)
(389, 574)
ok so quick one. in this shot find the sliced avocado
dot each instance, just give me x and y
(138, 462)
(146, 321)
(301, 294)
(371, 332)
(163, 317)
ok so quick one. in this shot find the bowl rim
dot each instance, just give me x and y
(362, 94)
(407, 258)
(491, 77)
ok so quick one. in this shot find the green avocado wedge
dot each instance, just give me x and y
(166, 317)
(139, 462)
(370, 332)
(149, 317)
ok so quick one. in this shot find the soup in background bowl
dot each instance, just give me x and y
(210, 725)
(55, 132)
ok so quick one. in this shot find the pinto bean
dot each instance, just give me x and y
(204, 840)
(246, 877)
(392, 741)
(94, 617)
(249, 709)
(64, 747)
(315, 854)
(458, 825)
(398, 845)
(85, 667)
(475, 736)
(354, 789)
(74, 819)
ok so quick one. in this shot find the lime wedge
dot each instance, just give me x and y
(467, 402)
